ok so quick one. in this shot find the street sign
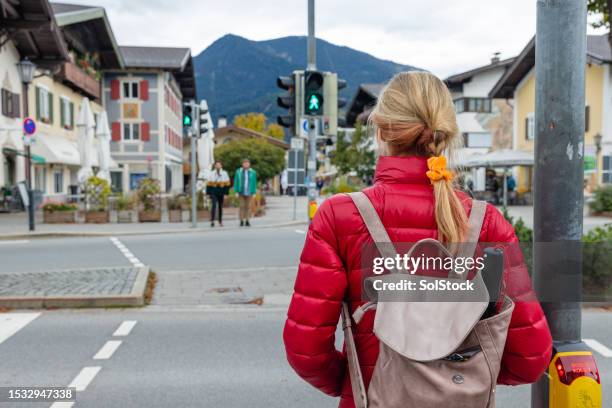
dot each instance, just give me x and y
(303, 126)
(297, 143)
(29, 126)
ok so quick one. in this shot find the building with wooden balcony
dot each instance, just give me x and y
(56, 95)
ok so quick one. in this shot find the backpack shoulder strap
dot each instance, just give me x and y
(373, 224)
(475, 221)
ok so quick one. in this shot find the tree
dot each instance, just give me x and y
(276, 131)
(356, 154)
(259, 123)
(251, 120)
(601, 10)
(268, 160)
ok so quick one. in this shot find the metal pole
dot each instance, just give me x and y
(312, 162)
(558, 173)
(28, 151)
(295, 183)
(312, 42)
(194, 221)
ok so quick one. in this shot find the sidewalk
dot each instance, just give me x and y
(279, 212)
(526, 213)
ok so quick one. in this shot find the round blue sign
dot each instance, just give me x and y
(29, 126)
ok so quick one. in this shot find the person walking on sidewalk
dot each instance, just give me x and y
(217, 187)
(245, 184)
(414, 196)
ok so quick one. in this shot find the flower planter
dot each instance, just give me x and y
(59, 217)
(175, 215)
(203, 215)
(124, 216)
(149, 216)
(230, 212)
(97, 217)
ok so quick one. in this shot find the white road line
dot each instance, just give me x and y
(126, 252)
(62, 404)
(299, 231)
(17, 241)
(107, 350)
(598, 347)
(82, 380)
(11, 323)
(125, 328)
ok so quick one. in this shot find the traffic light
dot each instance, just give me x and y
(331, 119)
(187, 116)
(204, 118)
(313, 93)
(287, 101)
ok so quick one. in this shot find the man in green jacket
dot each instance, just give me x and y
(245, 184)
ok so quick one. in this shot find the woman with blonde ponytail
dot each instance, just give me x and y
(413, 194)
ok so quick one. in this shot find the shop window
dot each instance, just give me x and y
(606, 171)
(58, 181)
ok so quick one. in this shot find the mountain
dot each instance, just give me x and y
(237, 75)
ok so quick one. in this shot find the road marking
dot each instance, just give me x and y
(82, 380)
(126, 252)
(299, 231)
(62, 404)
(107, 350)
(598, 347)
(125, 328)
(11, 323)
(17, 241)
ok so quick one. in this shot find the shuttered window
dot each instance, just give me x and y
(10, 104)
(44, 105)
(66, 113)
(530, 126)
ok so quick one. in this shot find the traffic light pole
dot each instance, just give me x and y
(312, 128)
(558, 178)
(312, 43)
(194, 220)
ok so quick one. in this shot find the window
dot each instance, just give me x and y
(130, 89)
(10, 104)
(39, 179)
(44, 105)
(67, 113)
(131, 131)
(116, 181)
(606, 171)
(530, 126)
(477, 105)
(58, 181)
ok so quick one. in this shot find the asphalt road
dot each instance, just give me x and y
(173, 356)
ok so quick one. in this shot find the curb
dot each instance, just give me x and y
(134, 298)
(59, 234)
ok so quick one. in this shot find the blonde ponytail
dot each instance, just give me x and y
(415, 115)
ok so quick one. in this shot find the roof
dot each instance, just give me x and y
(251, 133)
(32, 26)
(155, 57)
(467, 75)
(598, 51)
(176, 60)
(365, 97)
(87, 28)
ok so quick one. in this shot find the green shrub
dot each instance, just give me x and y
(124, 202)
(602, 200)
(340, 185)
(97, 191)
(597, 260)
(148, 193)
(177, 202)
(55, 206)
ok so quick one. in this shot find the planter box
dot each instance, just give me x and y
(59, 217)
(175, 215)
(230, 212)
(97, 217)
(203, 215)
(149, 216)
(603, 214)
(124, 216)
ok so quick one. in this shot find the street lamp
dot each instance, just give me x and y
(26, 70)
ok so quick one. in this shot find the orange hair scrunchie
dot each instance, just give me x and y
(437, 169)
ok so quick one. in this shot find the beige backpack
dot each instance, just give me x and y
(432, 353)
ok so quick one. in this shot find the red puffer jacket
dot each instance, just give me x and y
(330, 269)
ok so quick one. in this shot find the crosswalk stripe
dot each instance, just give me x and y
(84, 377)
(125, 328)
(62, 404)
(598, 347)
(11, 323)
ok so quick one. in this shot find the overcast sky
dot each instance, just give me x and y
(443, 36)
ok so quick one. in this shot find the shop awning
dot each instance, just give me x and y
(56, 150)
(35, 158)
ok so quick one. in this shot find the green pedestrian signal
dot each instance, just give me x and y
(314, 103)
(313, 92)
(187, 116)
